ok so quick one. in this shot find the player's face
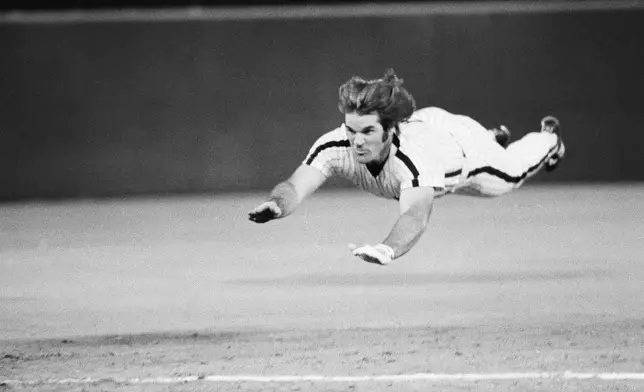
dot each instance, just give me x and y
(369, 141)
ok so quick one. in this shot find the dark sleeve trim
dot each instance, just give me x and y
(322, 147)
(410, 165)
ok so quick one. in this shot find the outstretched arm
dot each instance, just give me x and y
(415, 209)
(287, 195)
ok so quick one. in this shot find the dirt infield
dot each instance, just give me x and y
(113, 361)
(104, 295)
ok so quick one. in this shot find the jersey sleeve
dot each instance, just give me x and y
(418, 169)
(327, 152)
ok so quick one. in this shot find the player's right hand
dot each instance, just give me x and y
(265, 212)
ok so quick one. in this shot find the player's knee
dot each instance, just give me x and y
(497, 188)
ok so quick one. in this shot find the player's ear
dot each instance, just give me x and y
(386, 134)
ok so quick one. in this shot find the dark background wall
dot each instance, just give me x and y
(113, 108)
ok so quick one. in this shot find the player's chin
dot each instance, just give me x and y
(363, 158)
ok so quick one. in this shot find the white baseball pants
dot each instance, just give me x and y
(491, 170)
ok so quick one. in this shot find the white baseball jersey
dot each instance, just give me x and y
(425, 153)
(449, 152)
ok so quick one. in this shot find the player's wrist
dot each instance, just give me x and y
(284, 197)
(279, 203)
(386, 250)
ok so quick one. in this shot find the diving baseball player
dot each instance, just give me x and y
(387, 147)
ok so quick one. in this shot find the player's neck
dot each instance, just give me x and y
(375, 166)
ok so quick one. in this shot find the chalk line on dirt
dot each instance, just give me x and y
(568, 375)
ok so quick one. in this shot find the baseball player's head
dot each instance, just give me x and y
(372, 111)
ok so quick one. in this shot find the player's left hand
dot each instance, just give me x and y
(377, 254)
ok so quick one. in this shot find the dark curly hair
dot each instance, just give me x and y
(385, 96)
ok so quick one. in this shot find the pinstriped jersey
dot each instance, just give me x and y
(424, 153)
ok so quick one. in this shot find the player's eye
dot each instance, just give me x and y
(351, 131)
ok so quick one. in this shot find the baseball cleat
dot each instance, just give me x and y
(502, 135)
(551, 124)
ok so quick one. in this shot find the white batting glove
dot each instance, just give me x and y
(377, 254)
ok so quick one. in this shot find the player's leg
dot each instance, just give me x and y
(496, 170)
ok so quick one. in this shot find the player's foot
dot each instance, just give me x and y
(551, 124)
(502, 135)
